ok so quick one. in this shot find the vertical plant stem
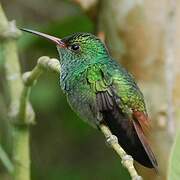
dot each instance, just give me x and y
(21, 153)
(15, 84)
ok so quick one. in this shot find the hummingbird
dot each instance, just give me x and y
(101, 91)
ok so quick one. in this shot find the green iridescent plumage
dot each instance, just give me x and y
(102, 91)
(93, 66)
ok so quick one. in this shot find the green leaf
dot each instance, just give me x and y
(174, 165)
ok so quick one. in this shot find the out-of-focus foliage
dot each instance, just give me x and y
(1, 58)
(174, 165)
(62, 145)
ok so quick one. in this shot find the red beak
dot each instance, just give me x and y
(56, 40)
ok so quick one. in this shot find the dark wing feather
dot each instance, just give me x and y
(104, 100)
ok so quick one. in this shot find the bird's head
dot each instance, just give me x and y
(77, 47)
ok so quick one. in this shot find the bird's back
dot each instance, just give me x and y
(125, 86)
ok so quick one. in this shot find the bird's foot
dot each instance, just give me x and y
(127, 158)
(112, 139)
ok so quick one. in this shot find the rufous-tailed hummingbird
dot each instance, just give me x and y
(101, 91)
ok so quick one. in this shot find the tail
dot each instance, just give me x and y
(131, 138)
(145, 144)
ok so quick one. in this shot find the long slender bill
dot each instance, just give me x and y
(51, 38)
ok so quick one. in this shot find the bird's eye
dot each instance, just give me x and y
(75, 47)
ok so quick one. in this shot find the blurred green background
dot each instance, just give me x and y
(62, 145)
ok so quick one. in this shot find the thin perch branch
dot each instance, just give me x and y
(29, 78)
(127, 160)
(44, 64)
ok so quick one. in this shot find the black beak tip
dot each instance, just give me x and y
(22, 29)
